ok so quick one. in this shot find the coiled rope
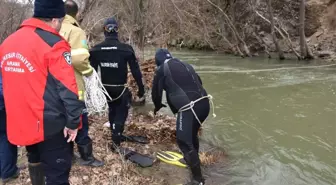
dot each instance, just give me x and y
(190, 106)
(95, 95)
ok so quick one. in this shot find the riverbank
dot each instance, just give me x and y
(161, 132)
(159, 129)
(257, 37)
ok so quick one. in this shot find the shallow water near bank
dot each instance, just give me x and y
(278, 127)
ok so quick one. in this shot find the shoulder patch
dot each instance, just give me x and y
(84, 44)
(67, 57)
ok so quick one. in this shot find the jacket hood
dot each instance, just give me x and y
(161, 55)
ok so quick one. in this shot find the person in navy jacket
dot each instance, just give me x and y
(8, 152)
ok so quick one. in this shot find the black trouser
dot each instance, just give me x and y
(8, 151)
(187, 128)
(118, 113)
(55, 156)
(83, 137)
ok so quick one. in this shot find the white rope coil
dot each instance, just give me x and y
(94, 97)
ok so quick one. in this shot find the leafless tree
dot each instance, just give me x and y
(275, 40)
(233, 26)
(304, 48)
(11, 16)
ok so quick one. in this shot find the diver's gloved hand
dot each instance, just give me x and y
(158, 108)
(141, 98)
(139, 101)
(141, 92)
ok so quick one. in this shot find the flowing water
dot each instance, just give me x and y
(277, 126)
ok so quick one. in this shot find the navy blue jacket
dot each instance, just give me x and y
(2, 103)
(2, 108)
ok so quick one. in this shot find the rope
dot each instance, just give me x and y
(117, 85)
(125, 87)
(94, 97)
(190, 106)
(266, 70)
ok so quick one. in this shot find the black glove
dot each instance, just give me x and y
(140, 101)
(141, 92)
(158, 108)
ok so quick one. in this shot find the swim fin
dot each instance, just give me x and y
(171, 158)
(137, 158)
(135, 139)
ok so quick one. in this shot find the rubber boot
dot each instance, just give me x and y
(36, 173)
(194, 182)
(87, 158)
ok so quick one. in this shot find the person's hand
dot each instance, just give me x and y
(141, 93)
(158, 108)
(140, 99)
(71, 133)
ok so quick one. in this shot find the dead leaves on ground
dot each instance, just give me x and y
(159, 129)
(148, 70)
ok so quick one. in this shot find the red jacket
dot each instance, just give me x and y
(39, 84)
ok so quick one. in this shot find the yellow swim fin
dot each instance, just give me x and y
(171, 158)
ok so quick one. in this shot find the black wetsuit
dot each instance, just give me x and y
(183, 85)
(112, 57)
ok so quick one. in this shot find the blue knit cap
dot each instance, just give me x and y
(49, 8)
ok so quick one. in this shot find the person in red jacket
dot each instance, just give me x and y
(40, 93)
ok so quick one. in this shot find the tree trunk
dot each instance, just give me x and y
(232, 11)
(304, 48)
(282, 33)
(233, 29)
(262, 42)
(276, 43)
(139, 23)
(87, 4)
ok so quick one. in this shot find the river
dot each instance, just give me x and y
(278, 127)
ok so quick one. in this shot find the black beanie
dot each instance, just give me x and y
(161, 55)
(49, 8)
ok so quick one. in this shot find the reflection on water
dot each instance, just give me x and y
(278, 127)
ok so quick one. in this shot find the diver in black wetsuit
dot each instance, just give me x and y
(113, 56)
(182, 85)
